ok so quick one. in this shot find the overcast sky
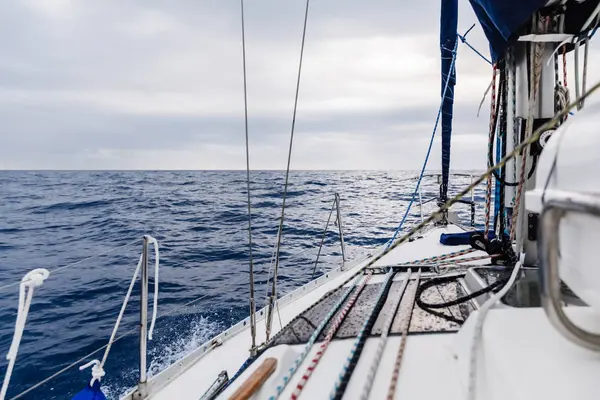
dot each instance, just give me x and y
(140, 84)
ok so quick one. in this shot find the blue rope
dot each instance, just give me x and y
(244, 367)
(437, 121)
(464, 40)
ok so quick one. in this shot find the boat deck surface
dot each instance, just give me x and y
(191, 381)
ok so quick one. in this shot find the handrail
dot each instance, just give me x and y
(557, 205)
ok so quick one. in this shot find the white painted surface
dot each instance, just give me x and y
(522, 357)
(574, 150)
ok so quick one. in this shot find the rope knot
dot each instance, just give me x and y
(35, 278)
(97, 370)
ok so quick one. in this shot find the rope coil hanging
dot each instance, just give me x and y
(29, 283)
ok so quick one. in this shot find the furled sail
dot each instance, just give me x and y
(448, 37)
(500, 19)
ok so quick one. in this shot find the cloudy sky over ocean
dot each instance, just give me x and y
(143, 84)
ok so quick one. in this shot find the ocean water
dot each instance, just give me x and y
(53, 219)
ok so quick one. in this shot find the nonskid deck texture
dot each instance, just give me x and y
(189, 379)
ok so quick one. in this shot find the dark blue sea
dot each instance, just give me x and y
(53, 219)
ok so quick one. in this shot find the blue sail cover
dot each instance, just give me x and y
(448, 38)
(91, 393)
(500, 19)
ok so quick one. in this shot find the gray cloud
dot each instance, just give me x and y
(158, 84)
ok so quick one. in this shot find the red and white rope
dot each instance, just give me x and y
(488, 188)
(334, 328)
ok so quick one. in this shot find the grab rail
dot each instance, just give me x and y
(557, 205)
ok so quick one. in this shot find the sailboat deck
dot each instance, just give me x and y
(192, 376)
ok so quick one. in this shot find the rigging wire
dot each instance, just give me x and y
(287, 174)
(437, 121)
(54, 271)
(251, 266)
(323, 237)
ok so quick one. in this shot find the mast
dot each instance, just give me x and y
(448, 39)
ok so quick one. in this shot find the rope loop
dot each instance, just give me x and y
(97, 370)
(33, 279)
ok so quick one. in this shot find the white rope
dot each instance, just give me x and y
(485, 94)
(30, 281)
(98, 366)
(479, 327)
(155, 305)
(97, 370)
